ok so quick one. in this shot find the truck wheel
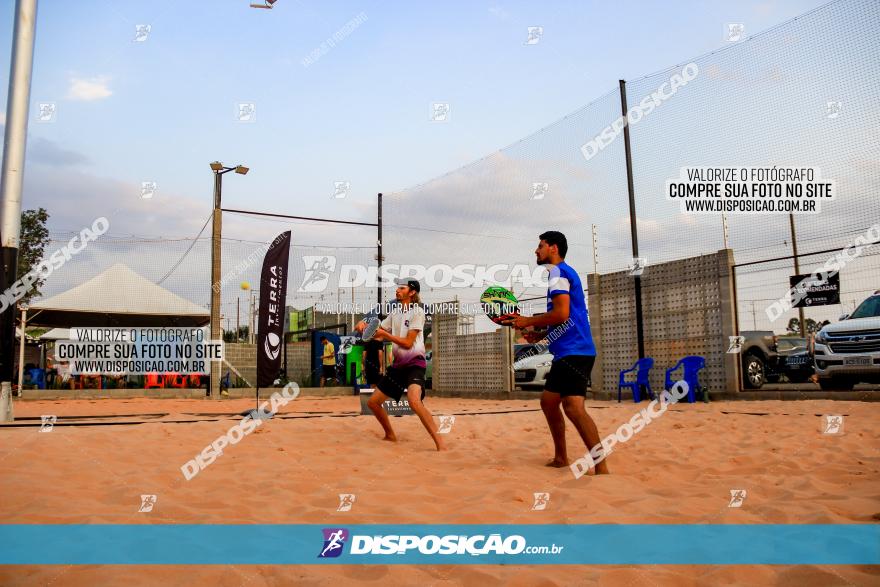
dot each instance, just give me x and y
(753, 371)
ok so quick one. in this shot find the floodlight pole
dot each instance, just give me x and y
(634, 233)
(216, 230)
(11, 180)
(379, 254)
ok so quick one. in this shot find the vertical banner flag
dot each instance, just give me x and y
(273, 296)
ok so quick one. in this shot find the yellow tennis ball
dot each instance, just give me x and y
(245, 285)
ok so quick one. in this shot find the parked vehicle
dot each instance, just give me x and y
(795, 359)
(798, 367)
(848, 352)
(531, 365)
(760, 358)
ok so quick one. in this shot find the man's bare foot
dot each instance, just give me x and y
(390, 438)
(440, 445)
(602, 469)
(558, 463)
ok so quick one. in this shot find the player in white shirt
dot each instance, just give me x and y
(406, 376)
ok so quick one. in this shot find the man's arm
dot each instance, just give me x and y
(558, 315)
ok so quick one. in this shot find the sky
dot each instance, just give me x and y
(358, 110)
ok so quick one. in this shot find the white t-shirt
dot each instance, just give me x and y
(399, 323)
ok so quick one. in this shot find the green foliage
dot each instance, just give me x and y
(32, 246)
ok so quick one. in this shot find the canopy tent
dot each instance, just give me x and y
(56, 334)
(118, 297)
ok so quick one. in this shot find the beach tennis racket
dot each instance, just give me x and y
(371, 328)
(499, 304)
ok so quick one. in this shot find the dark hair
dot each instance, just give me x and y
(554, 237)
(323, 338)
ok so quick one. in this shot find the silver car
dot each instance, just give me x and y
(848, 352)
(531, 365)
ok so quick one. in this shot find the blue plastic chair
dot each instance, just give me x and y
(691, 367)
(37, 377)
(643, 368)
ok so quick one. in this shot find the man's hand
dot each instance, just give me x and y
(518, 322)
(380, 334)
(360, 326)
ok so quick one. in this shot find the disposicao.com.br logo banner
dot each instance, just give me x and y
(382, 544)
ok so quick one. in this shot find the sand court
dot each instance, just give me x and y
(102, 456)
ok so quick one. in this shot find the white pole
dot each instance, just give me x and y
(21, 352)
(595, 249)
(11, 180)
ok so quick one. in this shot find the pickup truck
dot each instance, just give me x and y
(760, 358)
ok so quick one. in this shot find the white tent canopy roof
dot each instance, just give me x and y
(117, 297)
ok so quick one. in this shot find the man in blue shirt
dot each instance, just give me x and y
(571, 344)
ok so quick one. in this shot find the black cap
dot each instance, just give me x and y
(412, 283)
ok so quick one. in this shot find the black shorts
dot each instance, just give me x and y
(570, 374)
(396, 381)
(372, 376)
(328, 371)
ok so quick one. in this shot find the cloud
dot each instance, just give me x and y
(89, 89)
(47, 152)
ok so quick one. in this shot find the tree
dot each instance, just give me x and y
(233, 336)
(31, 246)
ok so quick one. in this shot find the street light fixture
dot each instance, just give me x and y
(219, 169)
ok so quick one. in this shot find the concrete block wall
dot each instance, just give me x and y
(688, 309)
(243, 357)
(299, 366)
(471, 363)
